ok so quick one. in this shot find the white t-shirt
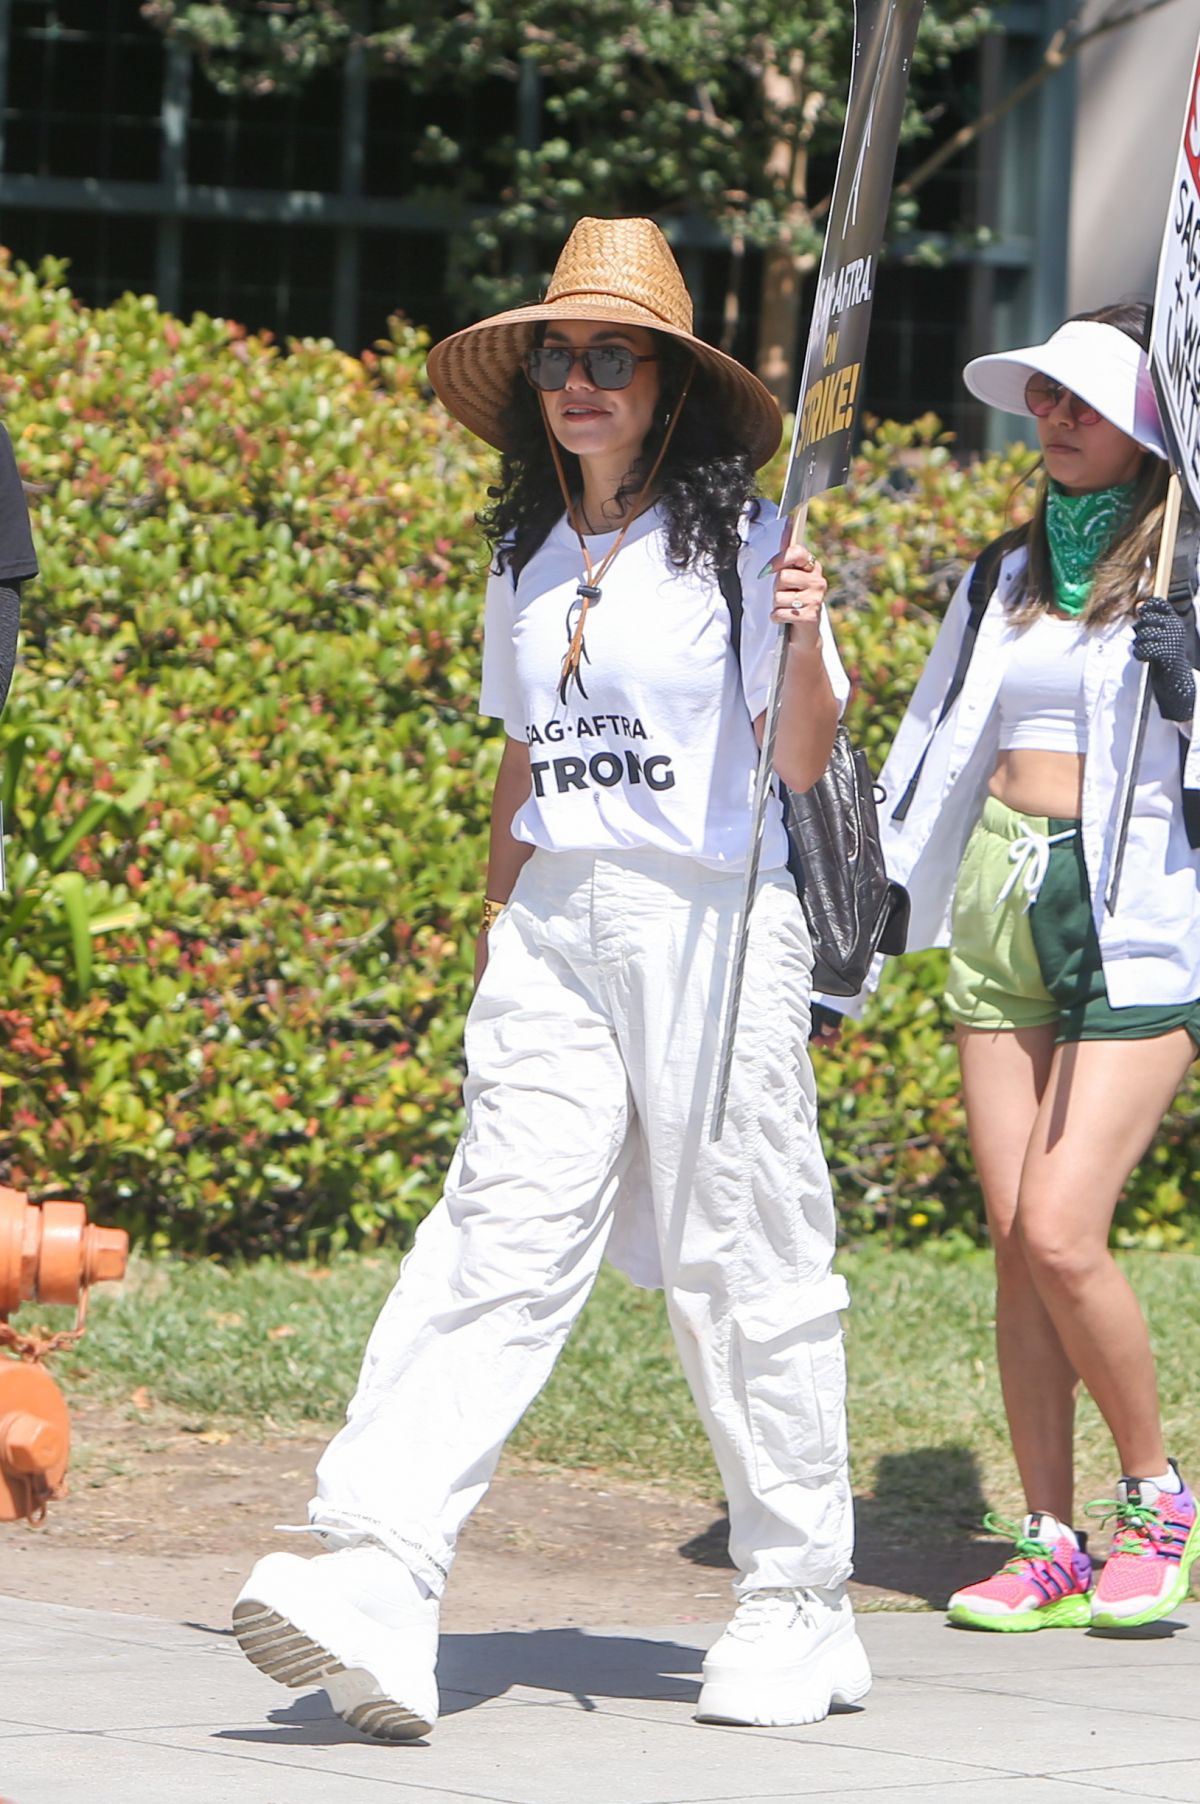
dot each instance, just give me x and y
(660, 752)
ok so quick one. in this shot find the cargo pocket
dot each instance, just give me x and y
(793, 1392)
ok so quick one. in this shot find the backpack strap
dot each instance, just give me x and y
(982, 586)
(729, 581)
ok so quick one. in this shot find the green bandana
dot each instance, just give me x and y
(1080, 529)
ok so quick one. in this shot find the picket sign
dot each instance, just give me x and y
(831, 387)
(1175, 370)
(1175, 343)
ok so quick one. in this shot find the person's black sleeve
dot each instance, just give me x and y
(10, 625)
(18, 560)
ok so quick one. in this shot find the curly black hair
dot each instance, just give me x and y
(706, 480)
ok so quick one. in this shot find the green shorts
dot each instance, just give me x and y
(1023, 944)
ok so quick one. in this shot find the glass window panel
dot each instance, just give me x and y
(108, 256)
(272, 277)
(402, 272)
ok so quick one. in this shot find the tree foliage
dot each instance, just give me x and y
(711, 108)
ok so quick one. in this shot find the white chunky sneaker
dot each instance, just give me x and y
(357, 1622)
(786, 1657)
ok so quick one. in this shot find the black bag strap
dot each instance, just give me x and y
(979, 593)
(729, 581)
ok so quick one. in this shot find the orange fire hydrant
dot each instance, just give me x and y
(49, 1253)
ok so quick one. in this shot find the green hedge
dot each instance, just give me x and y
(247, 787)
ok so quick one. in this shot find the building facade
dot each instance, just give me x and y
(1132, 91)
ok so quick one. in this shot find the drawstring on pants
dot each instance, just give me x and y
(1029, 856)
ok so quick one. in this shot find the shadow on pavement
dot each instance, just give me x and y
(580, 1666)
(307, 1722)
(917, 1529)
(472, 1669)
(919, 1526)
(1164, 1630)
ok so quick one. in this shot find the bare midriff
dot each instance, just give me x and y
(1034, 782)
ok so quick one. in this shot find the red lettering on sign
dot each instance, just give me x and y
(1191, 130)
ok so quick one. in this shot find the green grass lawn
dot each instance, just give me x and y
(275, 1348)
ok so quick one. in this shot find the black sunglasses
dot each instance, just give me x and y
(605, 366)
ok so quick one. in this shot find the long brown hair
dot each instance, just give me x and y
(1120, 576)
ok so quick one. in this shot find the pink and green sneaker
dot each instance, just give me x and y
(1157, 1539)
(1045, 1585)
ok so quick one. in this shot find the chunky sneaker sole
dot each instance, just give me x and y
(285, 1653)
(836, 1672)
(1068, 1613)
(282, 1627)
(1047, 1583)
(1108, 1615)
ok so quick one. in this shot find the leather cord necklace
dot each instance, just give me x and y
(588, 592)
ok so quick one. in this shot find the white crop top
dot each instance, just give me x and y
(1041, 693)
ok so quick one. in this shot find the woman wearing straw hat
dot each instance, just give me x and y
(620, 830)
(1075, 1024)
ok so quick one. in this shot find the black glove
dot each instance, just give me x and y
(1160, 640)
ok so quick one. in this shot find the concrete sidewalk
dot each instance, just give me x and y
(105, 1709)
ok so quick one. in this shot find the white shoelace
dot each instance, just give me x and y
(1029, 856)
(759, 1611)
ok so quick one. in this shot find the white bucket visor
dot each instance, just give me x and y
(1101, 364)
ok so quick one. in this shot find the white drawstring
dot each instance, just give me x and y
(1029, 856)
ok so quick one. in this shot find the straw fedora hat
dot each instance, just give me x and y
(610, 269)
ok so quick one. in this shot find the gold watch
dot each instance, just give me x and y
(491, 908)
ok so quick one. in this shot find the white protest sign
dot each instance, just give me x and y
(1175, 350)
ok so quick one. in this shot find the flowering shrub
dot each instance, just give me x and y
(247, 787)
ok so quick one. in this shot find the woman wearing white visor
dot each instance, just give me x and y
(1075, 1027)
(620, 828)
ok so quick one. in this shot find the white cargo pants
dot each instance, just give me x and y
(591, 1051)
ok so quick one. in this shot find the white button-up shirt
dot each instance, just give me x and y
(1150, 945)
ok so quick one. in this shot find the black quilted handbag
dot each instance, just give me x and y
(852, 907)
